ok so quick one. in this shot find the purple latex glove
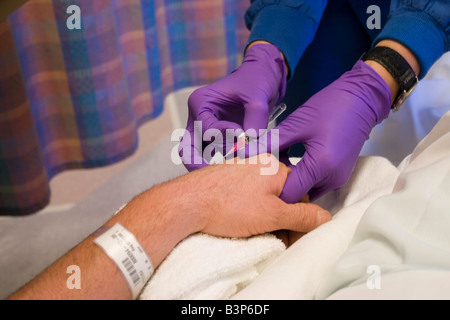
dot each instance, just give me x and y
(239, 101)
(333, 125)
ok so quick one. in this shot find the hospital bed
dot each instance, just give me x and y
(388, 239)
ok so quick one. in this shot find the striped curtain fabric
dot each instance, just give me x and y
(75, 98)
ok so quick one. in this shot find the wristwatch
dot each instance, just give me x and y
(398, 67)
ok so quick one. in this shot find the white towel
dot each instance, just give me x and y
(207, 267)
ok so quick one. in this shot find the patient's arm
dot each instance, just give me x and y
(223, 200)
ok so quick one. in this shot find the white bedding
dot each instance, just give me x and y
(393, 216)
(296, 274)
(400, 227)
(390, 235)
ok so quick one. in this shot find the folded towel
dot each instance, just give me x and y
(208, 267)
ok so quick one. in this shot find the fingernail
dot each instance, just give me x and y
(322, 217)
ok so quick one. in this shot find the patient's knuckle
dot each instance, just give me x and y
(306, 218)
(274, 214)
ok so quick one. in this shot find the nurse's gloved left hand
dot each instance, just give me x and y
(239, 101)
(333, 125)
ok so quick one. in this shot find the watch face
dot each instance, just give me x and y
(402, 97)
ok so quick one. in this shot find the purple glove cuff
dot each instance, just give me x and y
(376, 89)
(270, 53)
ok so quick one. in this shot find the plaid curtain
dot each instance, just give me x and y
(76, 98)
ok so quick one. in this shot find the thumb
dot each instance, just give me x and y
(303, 217)
(300, 181)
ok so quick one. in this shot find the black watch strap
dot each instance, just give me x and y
(398, 67)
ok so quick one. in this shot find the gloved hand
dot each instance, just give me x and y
(333, 126)
(241, 100)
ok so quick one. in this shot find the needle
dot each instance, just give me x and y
(243, 139)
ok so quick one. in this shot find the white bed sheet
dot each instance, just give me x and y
(393, 218)
(404, 235)
(316, 266)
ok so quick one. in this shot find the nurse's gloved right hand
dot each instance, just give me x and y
(333, 126)
(239, 101)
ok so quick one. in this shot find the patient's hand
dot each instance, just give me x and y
(236, 200)
(224, 200)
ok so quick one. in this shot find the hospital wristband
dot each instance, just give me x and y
(125, 251)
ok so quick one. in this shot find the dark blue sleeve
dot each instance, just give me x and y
(288, 24)
(423, 26)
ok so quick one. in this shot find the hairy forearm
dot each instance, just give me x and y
(156, 222)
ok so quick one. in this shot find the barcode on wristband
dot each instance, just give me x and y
(131, 270)
(126, 252)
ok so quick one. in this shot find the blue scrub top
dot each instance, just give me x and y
(292, 25)
(323, 39)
